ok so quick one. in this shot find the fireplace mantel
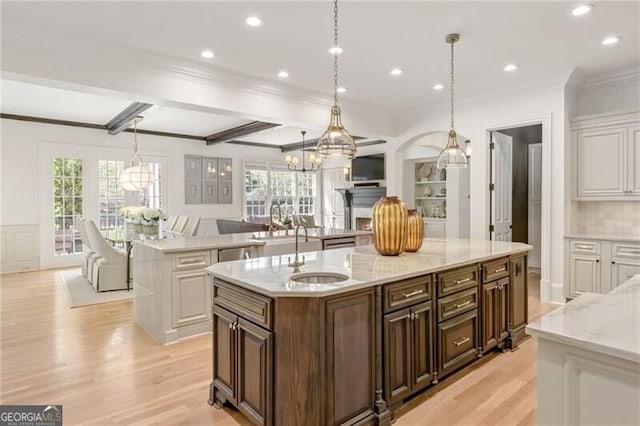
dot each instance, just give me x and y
(360, 196)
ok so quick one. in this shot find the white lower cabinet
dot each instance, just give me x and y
(191, 293)
(435, 228)
(599, 266)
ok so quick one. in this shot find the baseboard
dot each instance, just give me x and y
(557, 294)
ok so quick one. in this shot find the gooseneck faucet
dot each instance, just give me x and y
(297, 263)
(272, 225)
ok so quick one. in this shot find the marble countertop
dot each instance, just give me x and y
(169, 245)
(364, 267)
(315, 233)
(605, 237)
(604, 323)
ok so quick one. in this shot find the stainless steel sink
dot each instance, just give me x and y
(319, 278)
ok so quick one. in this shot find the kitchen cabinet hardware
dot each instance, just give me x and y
(462, 341)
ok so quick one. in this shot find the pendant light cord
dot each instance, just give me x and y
(451, 85)
(335, 52)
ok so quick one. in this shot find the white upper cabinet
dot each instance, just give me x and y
(606, 156)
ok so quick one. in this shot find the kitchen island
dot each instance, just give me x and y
(589, 359)
(350, 335)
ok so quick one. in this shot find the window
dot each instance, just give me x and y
(110, 194)
(295, 192)
(153, 193)
(67, 205)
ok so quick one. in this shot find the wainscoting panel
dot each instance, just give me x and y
(19, 248)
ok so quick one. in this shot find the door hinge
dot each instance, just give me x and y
(492, 145)
(492, 187)
(491, 228)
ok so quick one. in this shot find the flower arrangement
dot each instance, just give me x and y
(143, 215)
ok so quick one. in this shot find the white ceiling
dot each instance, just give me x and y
(541, 37)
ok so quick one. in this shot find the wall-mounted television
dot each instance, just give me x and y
(367, 167)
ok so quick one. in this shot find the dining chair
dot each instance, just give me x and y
(89, 255)
(191, 228)
(110, 270)
(181, 223)
(171, 222)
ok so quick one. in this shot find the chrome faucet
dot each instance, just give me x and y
(296, 262)
(272, 225)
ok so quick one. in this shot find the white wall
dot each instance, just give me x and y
(473, 119)
(608, 95)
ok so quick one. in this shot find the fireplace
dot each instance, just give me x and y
(363, 223)
(358, 202)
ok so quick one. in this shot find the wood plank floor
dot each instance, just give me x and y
(104, 369)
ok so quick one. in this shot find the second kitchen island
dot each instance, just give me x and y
(290, 347)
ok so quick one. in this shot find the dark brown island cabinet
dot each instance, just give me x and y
(355, 358)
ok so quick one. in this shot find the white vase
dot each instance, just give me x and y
(134, 228)
(150, 229)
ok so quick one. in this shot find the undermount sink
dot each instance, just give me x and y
(319, 278)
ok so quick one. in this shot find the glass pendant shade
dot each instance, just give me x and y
(336, 140)
(452, 156)
(135, 177)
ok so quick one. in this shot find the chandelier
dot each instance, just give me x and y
(135, 177)
(292, 162)
(452, 156)
(336, 140)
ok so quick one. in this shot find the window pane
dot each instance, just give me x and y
(109, 193)
(67, 205)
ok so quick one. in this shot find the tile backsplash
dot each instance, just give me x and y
(607, 217)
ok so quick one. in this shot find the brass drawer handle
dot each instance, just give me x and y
(463, 304)
(584, 247)
(462, 341)
(413, 293)
(500, 270)
(463, 281)
(191, 261)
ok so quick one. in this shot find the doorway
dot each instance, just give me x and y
(516, 187)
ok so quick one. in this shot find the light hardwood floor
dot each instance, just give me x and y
(104, 369)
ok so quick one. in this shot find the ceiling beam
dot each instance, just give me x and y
(239, 131)
(310, 145)
(255, 144)
(51, 121)
(166, 134)
(124, 118)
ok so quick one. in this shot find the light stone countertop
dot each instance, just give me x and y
(271, 276)
(604, 237)
(315, 233)
(169, 245)
(604, 323)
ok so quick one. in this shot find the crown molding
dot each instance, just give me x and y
(612, 79)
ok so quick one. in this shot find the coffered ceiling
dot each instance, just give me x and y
(542, 38)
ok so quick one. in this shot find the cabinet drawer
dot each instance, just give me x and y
(457, 342)
(334, 243)
(495, 269)
(453, 281)
(191, 260)
(450, 306)
(585, 247)
(245, 303)
(625, 250)
(406, 293)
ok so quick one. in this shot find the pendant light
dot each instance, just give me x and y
(336, 140)
(314, 159)
(452, 156)
(135, 177)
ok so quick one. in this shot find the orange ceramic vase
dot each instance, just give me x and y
(389, 222)
(415, 231)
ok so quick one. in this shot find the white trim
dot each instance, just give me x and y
(613, 118)
(609, 80)
(546, 287)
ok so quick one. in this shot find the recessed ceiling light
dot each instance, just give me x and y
(253, 21)
(438, 87)
(341, 89)
(610, 40)
(283, 74)
(510, 67)
(396, 71)
(336, 50)
(583, 9)
(207, 54)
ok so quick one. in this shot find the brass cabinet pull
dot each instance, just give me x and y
(465, 303)
(233, 325)
(413, 293)
(462, 341)
(500, 270)
(463, 280)
(584, 247)
(190, 261)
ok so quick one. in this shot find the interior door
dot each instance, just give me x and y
(502, 178)
(535, 203)
(332, 203)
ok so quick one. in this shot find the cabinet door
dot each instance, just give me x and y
(435, 228)
(622, 270)
(457, 342)
(191, 291)
(518, 294)
(397, 355)
(584, 274)
(488, 324)
(633, 158)
(601, 163)
(255, 372)
(224, 353)
(422, 324)
(502, 310)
